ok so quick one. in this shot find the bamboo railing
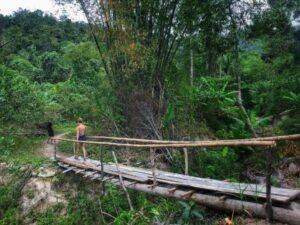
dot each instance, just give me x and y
(139, 140)
(216, 143)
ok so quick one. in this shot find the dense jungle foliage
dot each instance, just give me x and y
(182, 70)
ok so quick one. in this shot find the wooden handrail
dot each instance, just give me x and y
(216, 143)
(279, 138)
(140, 140)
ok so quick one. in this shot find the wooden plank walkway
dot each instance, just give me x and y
(141, 175)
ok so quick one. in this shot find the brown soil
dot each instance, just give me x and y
(48, 149)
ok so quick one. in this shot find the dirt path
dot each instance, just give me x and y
(48, 149)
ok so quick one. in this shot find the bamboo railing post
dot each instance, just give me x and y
(121, 181)
(74, 148)
(269, 159)
(102, 170)
(153, 165)
(186, 161)
(55, 149)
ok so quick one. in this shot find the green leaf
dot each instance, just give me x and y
(198, 214)
(225, 151)
(170, 114)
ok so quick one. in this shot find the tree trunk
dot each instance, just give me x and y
(191, 64)
(238, 206)
(237, 72)
(241, 106)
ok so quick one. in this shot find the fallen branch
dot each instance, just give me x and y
(122, 182)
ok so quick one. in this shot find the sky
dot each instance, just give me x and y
(7, 7)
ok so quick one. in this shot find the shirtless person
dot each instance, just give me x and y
(80, 136)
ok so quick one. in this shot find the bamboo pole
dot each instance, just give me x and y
(121, 181)
(269, 209)
(279, 138)
(217, 143)
(139, 140)
(153, 166)
(55, 150)
(186, 161)
(102, 170)
(74, 148)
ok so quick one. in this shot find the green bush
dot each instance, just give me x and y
(221, 164)
(20, 102)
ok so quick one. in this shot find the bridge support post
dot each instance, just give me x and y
(153, 165)
(269, 209)
(102, 170)
(55, 149)
(74, 148)
(186, 161)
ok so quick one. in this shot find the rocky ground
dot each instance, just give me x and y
(39, 192)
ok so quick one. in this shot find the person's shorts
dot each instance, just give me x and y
(50, 133)
(82, 138)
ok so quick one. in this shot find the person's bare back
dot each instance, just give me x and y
(81, 130)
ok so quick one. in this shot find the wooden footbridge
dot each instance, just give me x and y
(262, 201)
